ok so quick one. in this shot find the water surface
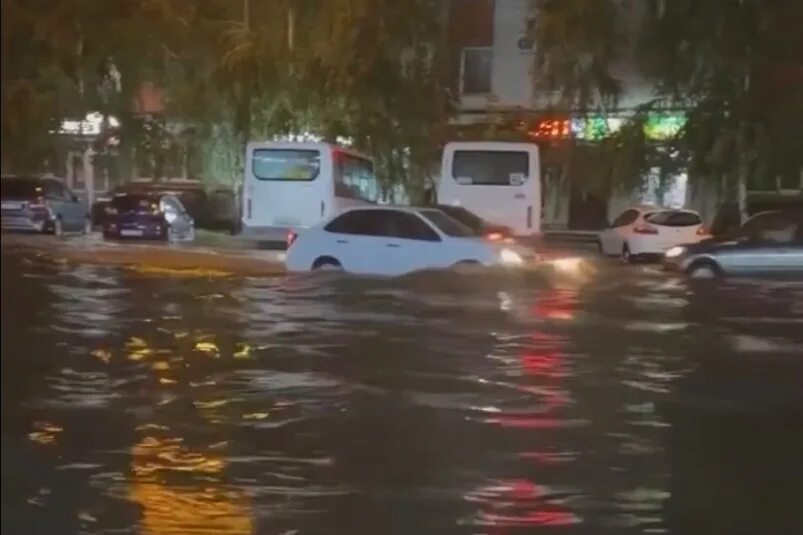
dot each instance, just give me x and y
(439, 403)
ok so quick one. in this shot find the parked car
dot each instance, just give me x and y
(147, 216)
(480, 226)
(41, 204)
(394, 240)
(769, 243)
(649, 231)
(189, 192)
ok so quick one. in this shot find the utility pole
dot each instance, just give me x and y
(247, 14)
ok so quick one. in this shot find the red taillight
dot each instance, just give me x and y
(494, 236)
(291, 238)
(645, 229)
(702, 231)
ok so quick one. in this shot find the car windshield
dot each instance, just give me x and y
(132, 203)
(465, 217)
(447, 225)
(21, 188)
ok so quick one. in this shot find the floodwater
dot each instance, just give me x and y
(621, 402)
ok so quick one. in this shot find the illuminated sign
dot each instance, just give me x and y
(660, 126)
(657, 127)
(92, 125)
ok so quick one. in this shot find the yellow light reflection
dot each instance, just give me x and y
(102, 355)
(243, 351)
(207, 347)
(45, 433)
(207, 506)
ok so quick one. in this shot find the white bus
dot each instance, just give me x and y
(498, 181)
(290, 186)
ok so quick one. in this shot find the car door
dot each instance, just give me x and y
(783, 241)
(61, 203)
(75, 207)
(762, 246)
(356, 239)
(411, 244)
(613, 238)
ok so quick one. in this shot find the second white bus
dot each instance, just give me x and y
(498, 181)
(290, 186)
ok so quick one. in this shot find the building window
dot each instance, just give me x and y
(476, 71)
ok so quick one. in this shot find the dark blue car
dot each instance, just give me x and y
(147, 216)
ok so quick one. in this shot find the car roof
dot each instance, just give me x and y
(389, 207)
(139, 194)
(32, 178)
(645, 208)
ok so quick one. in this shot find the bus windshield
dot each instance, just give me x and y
(490, 168)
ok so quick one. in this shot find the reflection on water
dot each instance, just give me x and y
(431, 404)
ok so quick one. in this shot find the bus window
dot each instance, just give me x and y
(490, 168)
(286, 164)
(355, 178)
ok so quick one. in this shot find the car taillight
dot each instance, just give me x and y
(645, 229)
(494, 236)
(702, 231)
(291, 238)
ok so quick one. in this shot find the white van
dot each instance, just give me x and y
(498, 181)
(291, 186)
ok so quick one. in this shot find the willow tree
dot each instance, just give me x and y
(736, 66)
(578, 46)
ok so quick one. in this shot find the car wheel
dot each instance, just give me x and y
(627, 256)
(704, 270)
(326, 263)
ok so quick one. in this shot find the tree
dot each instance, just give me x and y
(733, 64)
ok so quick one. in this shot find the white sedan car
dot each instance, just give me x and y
(650, 230)
(394, 240)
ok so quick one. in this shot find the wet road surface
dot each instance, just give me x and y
(437, 403)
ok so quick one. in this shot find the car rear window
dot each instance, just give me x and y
(673, 219)
(128, 203)
(462, 215)
(448, 225)
(20, 188)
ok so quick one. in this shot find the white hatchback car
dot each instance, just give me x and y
(650, 230)
(394, 240)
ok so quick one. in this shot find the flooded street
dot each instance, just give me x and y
(623, 402)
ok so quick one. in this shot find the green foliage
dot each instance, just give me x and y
(734, 66)
(366, 69)
(577, 41)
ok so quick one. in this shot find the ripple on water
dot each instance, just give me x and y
(432, 403)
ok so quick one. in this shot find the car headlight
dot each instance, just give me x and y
(510, 257)
(674, 252)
